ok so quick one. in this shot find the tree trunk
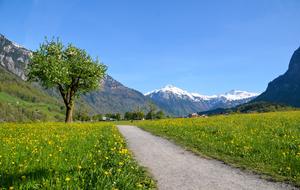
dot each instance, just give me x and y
(69, 113)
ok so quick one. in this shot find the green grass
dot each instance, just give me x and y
(61, 156)
(267, 143)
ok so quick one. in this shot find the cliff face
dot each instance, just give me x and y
(13, 57)
(286, 88)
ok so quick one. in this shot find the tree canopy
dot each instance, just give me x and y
(68, 68)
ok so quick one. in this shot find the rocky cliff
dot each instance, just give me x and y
(286, 88)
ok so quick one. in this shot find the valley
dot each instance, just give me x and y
(150, 95)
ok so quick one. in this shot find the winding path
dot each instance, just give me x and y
(178, 169)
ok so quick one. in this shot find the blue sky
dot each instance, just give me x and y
(207, 47)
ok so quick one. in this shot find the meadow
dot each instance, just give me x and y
(73, 156)
(268, 144)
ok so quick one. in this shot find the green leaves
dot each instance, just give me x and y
(55, 65)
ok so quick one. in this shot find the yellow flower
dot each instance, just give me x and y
(68, 179)
(23, 177)
(140, 185)
(124, 151)
(11, 188)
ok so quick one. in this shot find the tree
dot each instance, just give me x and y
(69, 69)
(136, 115)
(160, 115)
(115, 116)
(151, 113)
(118, 116)
(97, 117)
(128, 116)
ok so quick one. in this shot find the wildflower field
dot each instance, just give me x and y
(61, 156)
(264, 143)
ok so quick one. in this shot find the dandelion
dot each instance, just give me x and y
(123, 151)
(139, 185)
(68, 179)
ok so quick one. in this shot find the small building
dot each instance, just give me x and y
(193, 115)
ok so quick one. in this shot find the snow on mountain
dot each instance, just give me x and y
(238, 95)
(232, 95)
(17, 45)
(170, 89)
(180, 102)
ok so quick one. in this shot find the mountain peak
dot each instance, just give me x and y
(174, 89)
(171, 89)
(238, 95)
(285, 89)
(170, 86)
(233, 91)
(294, 65)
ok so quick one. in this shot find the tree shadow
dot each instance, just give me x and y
(7, 179)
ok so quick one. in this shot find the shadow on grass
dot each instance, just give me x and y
(8, 179)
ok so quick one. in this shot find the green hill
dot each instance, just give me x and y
(21, 101)
(252, 107)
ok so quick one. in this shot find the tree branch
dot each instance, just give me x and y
(63, 94)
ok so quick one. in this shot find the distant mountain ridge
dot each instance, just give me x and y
(180, 102)
(285, 89)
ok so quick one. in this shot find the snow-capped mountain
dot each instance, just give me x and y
(180, 102)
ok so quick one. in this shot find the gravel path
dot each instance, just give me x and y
(178, 169)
